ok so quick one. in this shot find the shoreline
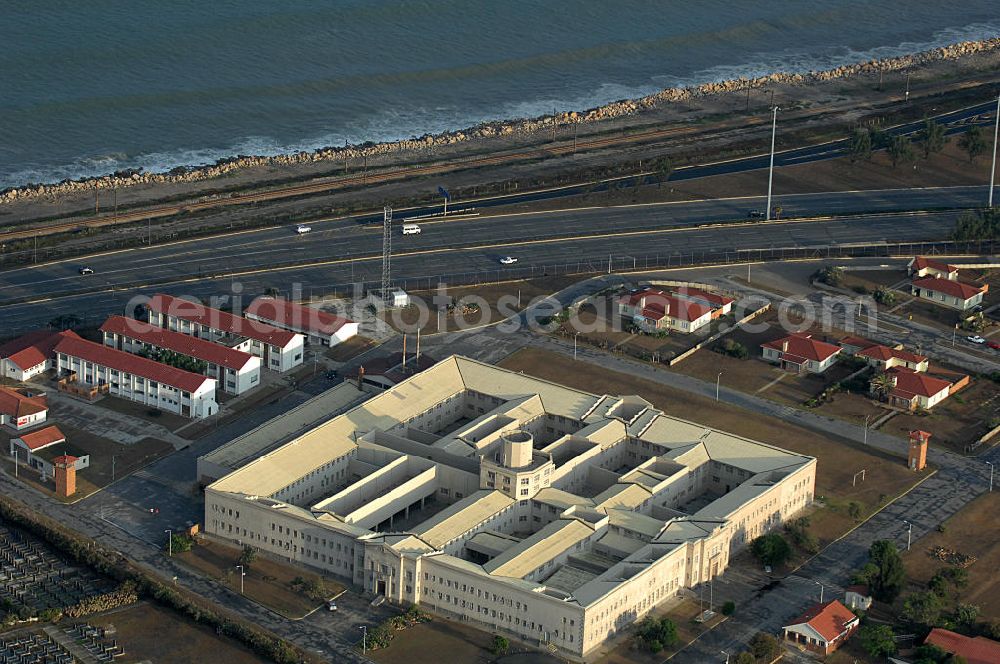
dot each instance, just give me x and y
(522, 127)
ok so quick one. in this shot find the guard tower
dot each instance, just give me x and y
(917, 458)
(64, 470)
(517, 448)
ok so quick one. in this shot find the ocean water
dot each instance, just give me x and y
(87, 88)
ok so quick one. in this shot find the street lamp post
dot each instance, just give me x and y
(726, 654)
(717, 379)
(770, 172)
(990, 464)
(820, 591)
(364, 638)
(996, 133)
(574, 344)
(867, 417)
(242, 574)
(170, 542)
(909, 534)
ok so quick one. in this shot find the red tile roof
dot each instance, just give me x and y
(975, 650)
(713, 298)
(857, 342)
(658, 302)
(885, 354)
(803, 346)
(294, 315)
(140, 366)
(64, 459)
(948, 287)
(15, 404)
(184, 344)
(919, 263)
(36, 440)
(830, 619)
(33, 348)
(219, 320)
(910, 383)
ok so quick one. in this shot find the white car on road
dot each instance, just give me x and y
(300, 229)
(976, 339)
(508, 260)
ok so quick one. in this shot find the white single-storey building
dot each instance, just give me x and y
(280, 350)
(317, 326)
(656, 311)
(20, 409)
(236, 371)
(950, 293)
(38, 448)
(29, 355)
(95, 368)
(799, 352)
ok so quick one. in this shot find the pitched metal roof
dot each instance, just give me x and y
(185, 344)
(215, 319)
(292, 314)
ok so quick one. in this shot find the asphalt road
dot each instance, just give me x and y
(416, 258)
(347, 238)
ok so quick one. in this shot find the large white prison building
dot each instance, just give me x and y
(526, 508)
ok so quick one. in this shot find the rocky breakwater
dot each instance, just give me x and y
(499, 129)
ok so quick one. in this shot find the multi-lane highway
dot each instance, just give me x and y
(342, 251)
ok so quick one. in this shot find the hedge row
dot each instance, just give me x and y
(112, 564)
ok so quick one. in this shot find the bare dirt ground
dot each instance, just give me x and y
(969, 532)
(958, 420)
(838, 461)
(434, 642)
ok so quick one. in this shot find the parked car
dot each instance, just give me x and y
(331, 375)
(301, 228)
(331, 605)
(508, 260)
(756, 214)
(976, 339)
(995, 345)
(86, 270)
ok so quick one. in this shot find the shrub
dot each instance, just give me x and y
(733, 349)
(764, 647)
(657, 634)
(500, 646)
(877, 640)
(771, 549)
(729, 608)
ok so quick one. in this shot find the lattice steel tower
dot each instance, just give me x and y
(386, 252)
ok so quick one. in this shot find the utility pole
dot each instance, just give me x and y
(770, 172)
(170, 542)
(993, 168)
(114, 194)
(242, 574)
(717, 379)
(748, 96)
(909, 534)
(364, 638)
(991, 475)
(576, 130)
(867, 417)
(907, 97)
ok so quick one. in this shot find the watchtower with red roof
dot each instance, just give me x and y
(917, 457)
(64, 469)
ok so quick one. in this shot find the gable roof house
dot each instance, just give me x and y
(823, 628)
(912, 390)
(799, 352)
(21, 410)
(27, 356)
(950, 293)
(975, 650)
(655, 310)
(317, 326)
(927, 267)
(884, 358)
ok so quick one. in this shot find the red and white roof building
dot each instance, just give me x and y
(823, 628)
(885, 358)
(39, 448)
(975, 650)
(912, 390)
(317, 326)
(720, 304)
(29, 355)
(236, 370)
(950, 293)
(21, 410)
(800, 352)
(136, 378)
(656, 310)
(279, 349)
(928, 267)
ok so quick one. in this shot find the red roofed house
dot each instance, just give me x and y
(720, 304)
(823, 628)
(950, 293)
(135, 378)
(975, 650)
(925, 267)
(317, 326)
(235, 370)
(912, 390)
(280, 350)
(799, 352)
(656, 311)
(38, 449)
(884, 358)
(27, 356)
(21, 410)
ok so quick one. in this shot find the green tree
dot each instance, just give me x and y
(881, 385)
(929, 652)
(982, 225)
(966, 614)
(877, 640)
(179, 544)
(901, 150)
(861, 145)
(889, 574)
(663, 168)
(830, 275)
(745, 658)
(932, 137)
(247, 556)
(973, 142)
(65, 321)
(771, 549)
(764, 647)
(500, 646)
(884, 296)
(922, 608)
(854, 510)
(729, 608)
(657, 634)
(878, 138)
